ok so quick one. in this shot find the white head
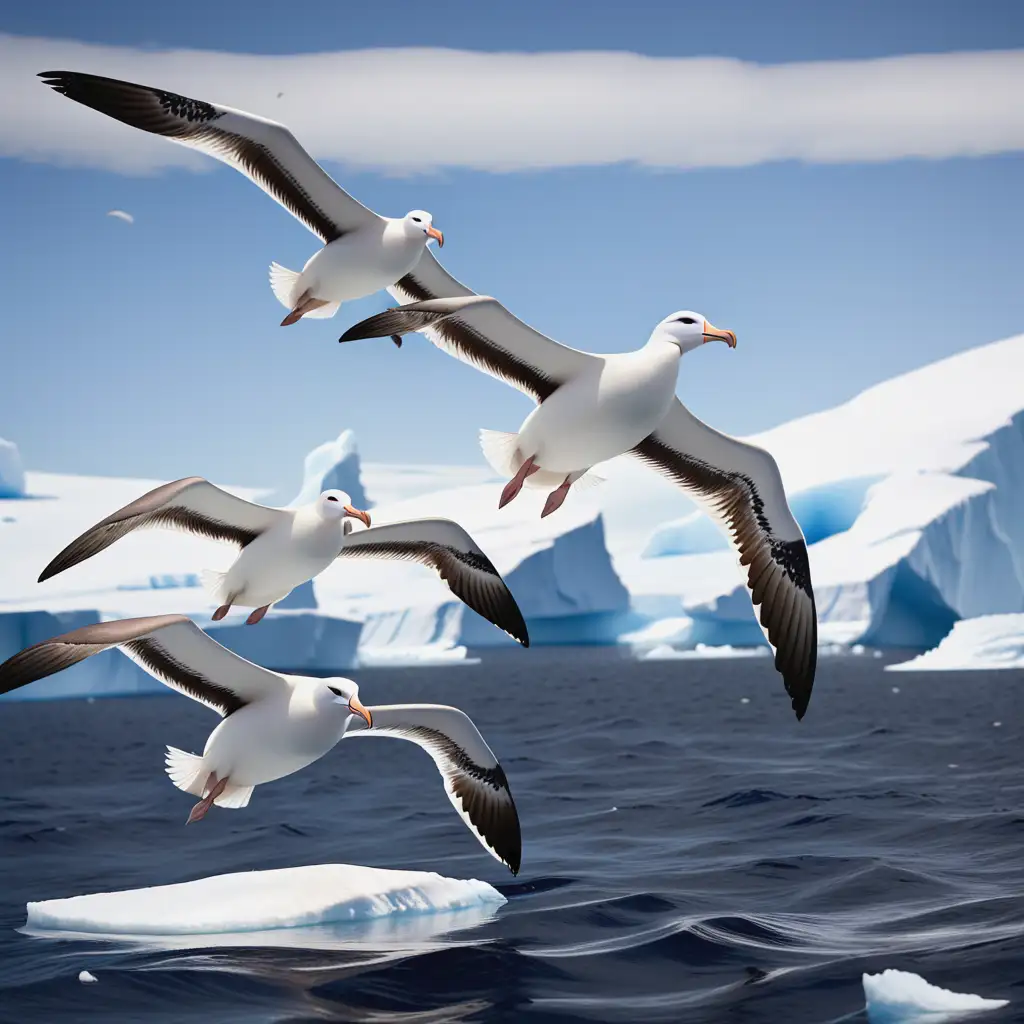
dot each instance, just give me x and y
(334, 504)
(419, 224)
(687, 330)
(346, 693)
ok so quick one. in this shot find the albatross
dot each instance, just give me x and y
(282, 548)
(275, 724)
(591, 408)
(362, 251)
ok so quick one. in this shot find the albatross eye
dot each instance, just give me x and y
(335, 691)
(418, 220)
(331, 497)
(686, 320)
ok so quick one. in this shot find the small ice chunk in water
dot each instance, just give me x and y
(744, 700)
(86, 978)
(894, 997)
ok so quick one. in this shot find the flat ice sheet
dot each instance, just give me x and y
(893, 997)
(258, 901)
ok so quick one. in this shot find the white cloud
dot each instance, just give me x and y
(121, 215)
(413, 110)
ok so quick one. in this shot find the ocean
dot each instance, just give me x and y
(691, 852)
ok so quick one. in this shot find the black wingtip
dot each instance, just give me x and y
(397, 339)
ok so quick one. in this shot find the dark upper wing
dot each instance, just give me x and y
(474, 780)
(171, 648)
(264, 151)
(739, 486)
(446, 547)
(477, 329)
(192, 504)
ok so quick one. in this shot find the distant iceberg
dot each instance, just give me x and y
(258, 901)
(987, 642)
(899, 997)
(12, 476)
(909, 494)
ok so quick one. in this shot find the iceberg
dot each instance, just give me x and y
(12, 476)
(893, 997)
(907, 493)
(334, 465)
(986, 642)
(260, 901)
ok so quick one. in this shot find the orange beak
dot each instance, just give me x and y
(432, 232)
(356, 707)
(358, 513)
(712, 333)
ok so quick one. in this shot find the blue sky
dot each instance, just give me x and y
(152, 349)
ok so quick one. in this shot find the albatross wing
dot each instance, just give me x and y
(171, 648)
(739, 486)
(191, 504)
(445, 546)
(477, 329)
(264, 151)
(474, 780)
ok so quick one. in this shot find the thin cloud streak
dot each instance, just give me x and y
(121, 215)
(422, 110)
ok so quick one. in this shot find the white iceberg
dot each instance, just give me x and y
(893, 997)
(260, 901)
(12, 476)
(985, 643)
(333, 465)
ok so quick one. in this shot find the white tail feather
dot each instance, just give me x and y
(499, 448)
(323, 312)
(186, 771)
(283, 282)
(234, 796)
(214, 584)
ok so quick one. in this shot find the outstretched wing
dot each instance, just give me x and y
(475, 328)
(171, 648)
(445, 546)
(192, 504)
(473, 778)
(264, 151)
(739, 486)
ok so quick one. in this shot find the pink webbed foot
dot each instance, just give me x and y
(515, 485)
(556, 497)
(258, 614)
(214, 790)
(221, 612)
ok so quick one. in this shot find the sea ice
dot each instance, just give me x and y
(333, 465)
(987, 642)
(893, 997)
(256, 901)
(86, 978)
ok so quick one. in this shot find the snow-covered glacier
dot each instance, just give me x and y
(909, 495)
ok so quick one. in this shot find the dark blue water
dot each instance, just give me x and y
(687, 856)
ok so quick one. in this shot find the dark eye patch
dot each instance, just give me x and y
(331, 497)
(336, 692)
(686, 320)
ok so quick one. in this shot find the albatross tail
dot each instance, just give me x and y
(284, 283)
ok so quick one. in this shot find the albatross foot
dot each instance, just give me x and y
(221, 612)
(214, 789)
(258, 614)
(515, 485)
(306, 304)
(556, 497)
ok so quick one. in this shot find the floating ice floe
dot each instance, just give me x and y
(260, 901)
(894, 997)
(987, 642)
(86, 978)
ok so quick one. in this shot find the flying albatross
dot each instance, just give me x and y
(591, 408)
(281, 548)
(275, 724)
(362, 251)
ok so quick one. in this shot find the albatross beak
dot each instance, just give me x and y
(358, 513)
(432, 232)
(356, 707)
(712, 333)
